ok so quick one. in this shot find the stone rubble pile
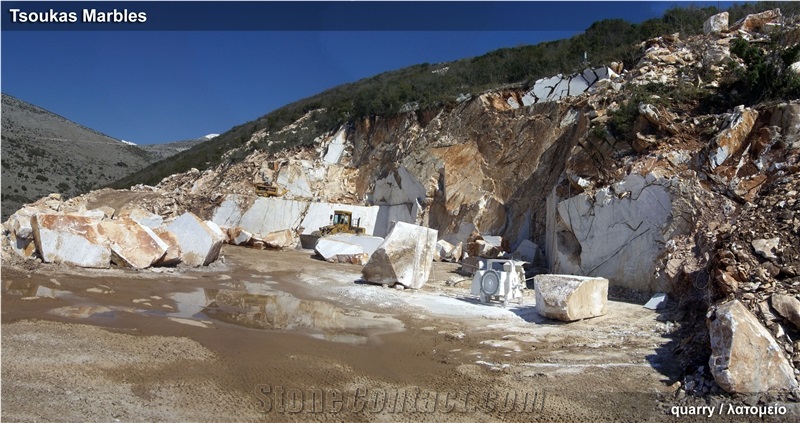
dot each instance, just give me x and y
(148, 204)
(758, 262)
(60, 232)
(299, 175)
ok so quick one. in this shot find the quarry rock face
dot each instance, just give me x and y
(617, 235)
(744, 356)
(527, 251)
(265, 215)
(405, 257)
(453, 171)
(560, 86)
(570, 298)
(71, 239)
(400, 187)
(468, 166)
(261, 216)
(133, 245)
(199, 243)
(295, 179)
(335, 148)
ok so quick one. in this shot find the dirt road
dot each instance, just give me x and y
(270, 335)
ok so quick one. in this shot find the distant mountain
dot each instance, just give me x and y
(163, 151)
(43, 152)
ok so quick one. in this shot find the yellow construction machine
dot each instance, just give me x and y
(342, 222)
(269, 190)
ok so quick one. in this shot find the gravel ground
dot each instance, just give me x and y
(252, 339)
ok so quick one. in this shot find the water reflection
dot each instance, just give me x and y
(189, 304)
(280, 310)
(27, 289)
(257, 305)
(243, 303)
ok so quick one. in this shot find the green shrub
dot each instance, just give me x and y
(621, 120)
(764, 75)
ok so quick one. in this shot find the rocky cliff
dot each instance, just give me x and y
(596, 200)
(480, 162)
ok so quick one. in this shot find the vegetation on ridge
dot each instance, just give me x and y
(430, 86)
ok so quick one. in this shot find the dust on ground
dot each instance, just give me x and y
(277, 335)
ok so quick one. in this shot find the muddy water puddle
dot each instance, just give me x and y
(255, 305)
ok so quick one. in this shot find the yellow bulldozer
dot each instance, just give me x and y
(268, 190)
(342, 222)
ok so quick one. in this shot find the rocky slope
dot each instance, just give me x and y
(45, 153)
(643, 177)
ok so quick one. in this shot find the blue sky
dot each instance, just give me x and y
(152, 87)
